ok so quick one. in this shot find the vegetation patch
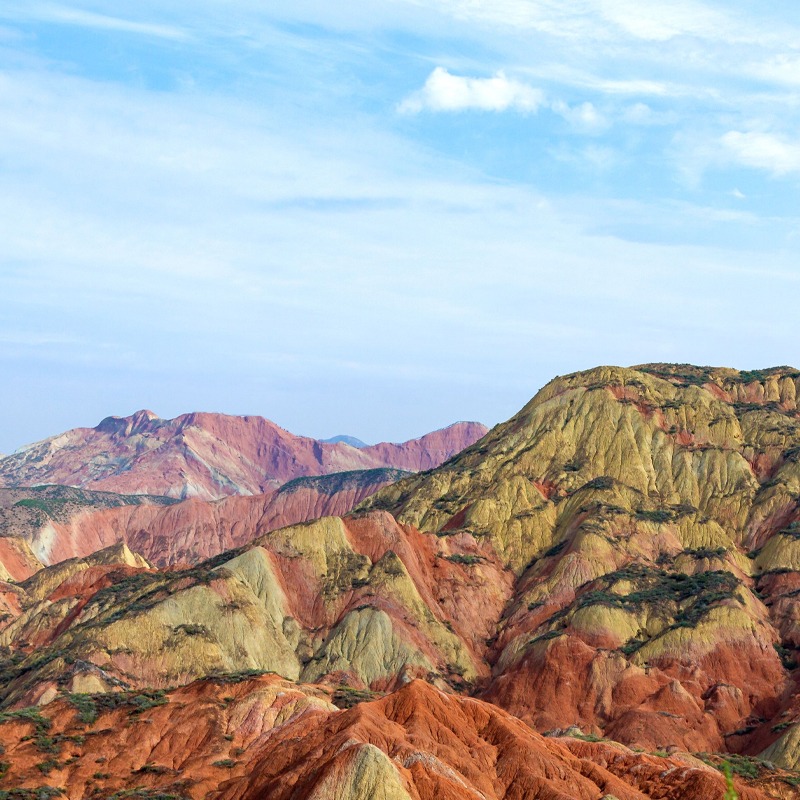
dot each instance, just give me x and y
(792, 530)
(587, 737)
(545, 637)
(56, 501)
(240, 676)
(41, 725)
(464, 558)
(46, 767)
(141, 793)
(89, 706)
(340, 481)
(347, 697)
(659, 515)
(660, 588)
(706, 552)
(601, 483)
(555, 549)
(152, 769)
(748, 767)
(787, 656)
(193, 630)
(684, 374)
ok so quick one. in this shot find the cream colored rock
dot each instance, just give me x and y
(362, 772)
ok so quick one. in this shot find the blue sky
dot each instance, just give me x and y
(381, 218)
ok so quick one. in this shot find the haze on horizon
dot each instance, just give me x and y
(379, 219)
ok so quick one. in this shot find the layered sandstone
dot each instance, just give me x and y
(50, 524)
(620, 556)
(651, 518)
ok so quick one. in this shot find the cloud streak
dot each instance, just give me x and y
(62, 15)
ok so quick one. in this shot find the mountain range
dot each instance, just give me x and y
(599, 598)
(210, 455)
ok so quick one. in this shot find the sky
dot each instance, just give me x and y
(379, 218)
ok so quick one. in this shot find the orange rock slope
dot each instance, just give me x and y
(210, 455)
(240, 738)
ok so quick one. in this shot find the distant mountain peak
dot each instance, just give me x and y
(343, 438)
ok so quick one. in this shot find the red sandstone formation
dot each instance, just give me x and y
(249, 739)
(45, 526)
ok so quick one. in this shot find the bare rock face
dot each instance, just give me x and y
(42, 525)
(247, 738)
(210, 456)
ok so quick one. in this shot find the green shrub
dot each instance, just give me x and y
(787, 656)
(601, 483)
(151, 769)
(464, 558)
(706, 552)
(658, 516)
(347, 697)
(46, 767)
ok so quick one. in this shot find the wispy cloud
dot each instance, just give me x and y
(583, 116)
(608, 20)
(446, 92)
(63, 15)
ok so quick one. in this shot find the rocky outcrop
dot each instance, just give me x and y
(361, 601)
(649, 517)
(240, 738)
(42, 525)
(17, 560)
(210, 455)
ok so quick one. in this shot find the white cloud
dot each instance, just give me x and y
(763, 151)
(446, 92)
